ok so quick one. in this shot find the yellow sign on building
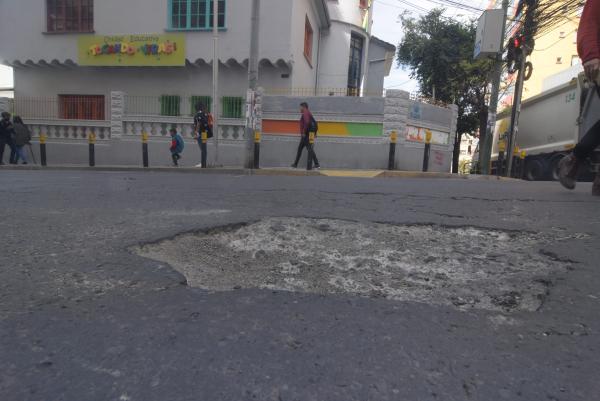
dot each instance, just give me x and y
(147, 50)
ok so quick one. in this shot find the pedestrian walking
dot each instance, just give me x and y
(588, 47)
(7, 137)
(308, 124)
(22, 139)
(177, 145)
(202, 123)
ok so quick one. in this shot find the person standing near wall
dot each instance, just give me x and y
(308, 124)
(588, 46)
(202, 123)
(22, 138)
(7, 133)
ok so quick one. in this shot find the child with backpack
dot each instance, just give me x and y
(177, 145)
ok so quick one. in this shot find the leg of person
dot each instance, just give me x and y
(2, 146)
(13, 152)
(301, 146)
(174, 158)
(570, 165)
(314, 156)
(21, 154)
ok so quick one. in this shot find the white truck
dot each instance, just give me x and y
(550, 126)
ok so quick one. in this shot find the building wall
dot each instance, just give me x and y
(28, 41)
(560, 42)
(304, 72)
(377, 69)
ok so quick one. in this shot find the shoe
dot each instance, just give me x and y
(294, 166)
(568, 168)
(318, 167)
(199, 165)
(24, 163)
(596, 185)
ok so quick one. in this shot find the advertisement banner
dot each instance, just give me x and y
(145, 50)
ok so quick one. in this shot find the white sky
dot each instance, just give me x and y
(387, 26)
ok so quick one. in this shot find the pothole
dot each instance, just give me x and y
(464, 267)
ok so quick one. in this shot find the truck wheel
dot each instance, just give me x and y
(535, 170)
(554, 162)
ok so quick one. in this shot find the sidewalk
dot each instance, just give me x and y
(271, 171)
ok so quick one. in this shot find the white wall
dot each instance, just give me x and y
(345, 10)
(304, 75)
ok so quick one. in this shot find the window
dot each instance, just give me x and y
(562, 35)
(205, 100)
(70, 15)
(308, 40)
(232, 107)
(559, 60)
(81, 107)
(194, 14)
(170, 105)
(355, 65)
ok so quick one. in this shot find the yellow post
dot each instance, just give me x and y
(144, 137)
(394, 137)
(502, 146)
(42, 139)
(523, 154)
(204, 137)
(428, 136)
(257, 137)
(91, 138)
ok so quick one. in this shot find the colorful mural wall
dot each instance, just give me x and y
(340, 129)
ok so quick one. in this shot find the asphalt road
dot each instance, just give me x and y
(84, 318)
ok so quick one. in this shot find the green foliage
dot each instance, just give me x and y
(439, 53)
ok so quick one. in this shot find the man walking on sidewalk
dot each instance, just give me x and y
(308, 124)
(588, 46)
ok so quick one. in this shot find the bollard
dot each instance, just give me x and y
(145, 149)
(515, 161)
(43, 149)
(311, 141)
(523, 155)
(500, 164)
(392, 158)
(92, 142)
(427, 150)
(203, 149)
(257, 150)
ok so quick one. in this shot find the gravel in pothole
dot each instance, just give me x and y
(464, 267)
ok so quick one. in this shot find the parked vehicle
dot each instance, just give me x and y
(550, 125)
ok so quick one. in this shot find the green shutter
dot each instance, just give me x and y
(170, 105)
(232, 107)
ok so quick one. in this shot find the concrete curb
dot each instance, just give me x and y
(265, 172)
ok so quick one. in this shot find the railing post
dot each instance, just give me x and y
(145, 149)
(427, 150)
(92, 142)
(43, 149)
(257, 150)
(392, 157)
(203, 149)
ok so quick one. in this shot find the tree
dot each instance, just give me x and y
(439, 53)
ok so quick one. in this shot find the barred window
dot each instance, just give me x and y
(70, 15)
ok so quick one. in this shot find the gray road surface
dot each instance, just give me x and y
(83, 317)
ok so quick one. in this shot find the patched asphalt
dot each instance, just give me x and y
(84, 317)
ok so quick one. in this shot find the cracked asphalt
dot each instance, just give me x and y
(84, 318)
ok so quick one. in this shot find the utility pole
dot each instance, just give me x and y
(215, 78)
(253, 75)
(485, 147)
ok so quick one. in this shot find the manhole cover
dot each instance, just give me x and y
(464, 267)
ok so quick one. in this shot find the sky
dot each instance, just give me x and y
(387, 26)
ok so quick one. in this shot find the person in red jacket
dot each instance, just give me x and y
(588, 47)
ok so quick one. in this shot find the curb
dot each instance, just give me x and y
(266, 172)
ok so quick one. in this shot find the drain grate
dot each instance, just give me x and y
(464, 267)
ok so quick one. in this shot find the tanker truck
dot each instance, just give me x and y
(550, 126)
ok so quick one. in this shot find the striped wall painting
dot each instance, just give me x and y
(342, 129)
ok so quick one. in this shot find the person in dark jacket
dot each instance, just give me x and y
(22, 139)
(588, 47)
(307, 122)
(7, 133)
(202, 123)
